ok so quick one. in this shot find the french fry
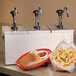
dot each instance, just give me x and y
(65, 57)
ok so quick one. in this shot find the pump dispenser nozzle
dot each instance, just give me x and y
(60, 14)
(37, 14)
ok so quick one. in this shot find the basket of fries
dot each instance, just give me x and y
(63, 57)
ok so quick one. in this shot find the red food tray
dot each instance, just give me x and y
(34, 65)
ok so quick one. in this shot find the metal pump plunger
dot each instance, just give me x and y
(14, 13)
(60, 14)
(37, 14)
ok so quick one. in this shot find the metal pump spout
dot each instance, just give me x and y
(37, 14)
(14, 13)
(60, 14)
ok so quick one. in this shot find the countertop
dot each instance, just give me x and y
(16, 71)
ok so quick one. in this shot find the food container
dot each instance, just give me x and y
(44, 55)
